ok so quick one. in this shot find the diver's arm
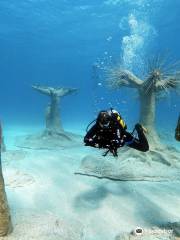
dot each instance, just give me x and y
(90, 134)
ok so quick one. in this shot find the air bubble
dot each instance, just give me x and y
(109, 39)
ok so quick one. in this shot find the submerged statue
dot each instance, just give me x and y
(54, 135)
(53, 121)
(3, 146)
(177, 131)
(5, 218)
(157, 82)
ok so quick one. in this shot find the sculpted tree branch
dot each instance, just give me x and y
(169, 82)
(119, 78)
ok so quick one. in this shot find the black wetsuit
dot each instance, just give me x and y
(114, 137)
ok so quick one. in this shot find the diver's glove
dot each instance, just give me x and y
(92, 143)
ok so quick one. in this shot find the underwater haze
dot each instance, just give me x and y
(56, 43)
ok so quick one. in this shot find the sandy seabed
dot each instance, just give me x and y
(48, 201)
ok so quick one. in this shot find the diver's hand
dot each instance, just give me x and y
(88, 141)
(91, 141)
(96, 145)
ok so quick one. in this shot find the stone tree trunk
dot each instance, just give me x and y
(147, 114)
(53, 119)
(3, 146)
(5, 218)
(148, 91)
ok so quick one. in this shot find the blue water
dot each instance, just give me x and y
(57, 42)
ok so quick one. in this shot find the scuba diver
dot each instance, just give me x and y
(109, 132)
(177, 131)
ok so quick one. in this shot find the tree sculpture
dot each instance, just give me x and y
(54, 135)
(53, 121)
(148, 90)
(5, 219)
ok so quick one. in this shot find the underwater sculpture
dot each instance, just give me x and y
(5, 218)
(177, 131)
(54, 135)
(157, 82)
(53, 121)
(3, 146)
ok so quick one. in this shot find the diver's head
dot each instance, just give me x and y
(103, 119)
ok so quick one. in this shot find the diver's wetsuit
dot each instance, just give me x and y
(114, 137)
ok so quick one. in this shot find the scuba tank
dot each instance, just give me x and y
(177, 131)
(117, 117)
